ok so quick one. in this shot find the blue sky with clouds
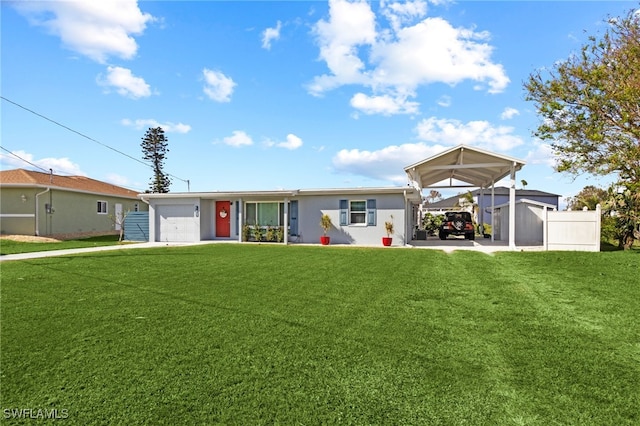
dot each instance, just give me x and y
(289, 94)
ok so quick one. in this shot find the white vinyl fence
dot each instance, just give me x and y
(572, 230)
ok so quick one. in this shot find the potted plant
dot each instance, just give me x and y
(325, 224)
(386, 241)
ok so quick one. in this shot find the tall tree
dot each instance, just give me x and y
(590, 109)
(154, 149)
(590, 196)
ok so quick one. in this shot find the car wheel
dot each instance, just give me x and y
(443, 236)
(471, 236)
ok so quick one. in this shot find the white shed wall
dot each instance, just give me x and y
(529, 223)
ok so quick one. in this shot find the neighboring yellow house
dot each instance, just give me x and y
(44, 204)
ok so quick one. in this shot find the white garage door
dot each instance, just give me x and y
(175, 223)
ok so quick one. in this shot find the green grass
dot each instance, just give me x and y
(13, 247)
(265, 334)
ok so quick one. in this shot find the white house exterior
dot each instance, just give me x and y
(358, 215)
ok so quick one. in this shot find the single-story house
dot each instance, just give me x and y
(358, 214)
(45, 204)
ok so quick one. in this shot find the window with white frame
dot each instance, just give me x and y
(358, 212)
(102, 207)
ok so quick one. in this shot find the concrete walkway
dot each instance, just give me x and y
(448, 246)
(52, 253)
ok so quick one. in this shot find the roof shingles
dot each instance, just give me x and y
(73, 183)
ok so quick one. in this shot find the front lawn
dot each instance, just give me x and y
(8, 246)
(268, 334)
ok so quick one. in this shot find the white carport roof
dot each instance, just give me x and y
(464, 166)
(473, 167)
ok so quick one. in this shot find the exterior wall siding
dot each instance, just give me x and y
(311, 208)
(71, 212)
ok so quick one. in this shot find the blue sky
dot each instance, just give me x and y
(282, 95)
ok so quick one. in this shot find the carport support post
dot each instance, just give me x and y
(512, 208)
(493, 204)
(240, 219)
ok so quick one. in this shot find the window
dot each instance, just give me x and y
(358, 212)
(264, 214)
(102, 207)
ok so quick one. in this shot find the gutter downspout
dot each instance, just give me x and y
(37, 223)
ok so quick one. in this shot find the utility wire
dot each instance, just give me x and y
(26, 161)
(84, 136)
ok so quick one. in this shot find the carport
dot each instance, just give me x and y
(469, 167)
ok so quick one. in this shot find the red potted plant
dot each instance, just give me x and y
(325, 224)
(386, 241)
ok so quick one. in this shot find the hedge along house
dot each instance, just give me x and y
(358, 215)
(44, 204)
(466, 167)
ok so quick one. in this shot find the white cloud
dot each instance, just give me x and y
(168, 126)
(476, 133)
(384, 164)
(125, 83)
(384, 104)
(271, 34)
(350, 25)
(292, 142)
(542, 153)
(396, 60)
(218, 87)
(509, 113)
(403, 13)
(96, 29)
(117, 179)
(238, 139)
(61, 165)
(444, 101)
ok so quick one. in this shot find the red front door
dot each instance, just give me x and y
(223, 219)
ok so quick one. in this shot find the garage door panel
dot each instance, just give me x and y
(175, 223)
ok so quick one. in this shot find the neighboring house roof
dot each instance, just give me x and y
(30, 178)
(530, 202)
(499, 190)
(503, 190)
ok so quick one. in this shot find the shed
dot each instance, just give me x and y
(529, 221)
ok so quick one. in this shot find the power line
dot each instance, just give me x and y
(61, 173)
(84, 136)
(26, 161)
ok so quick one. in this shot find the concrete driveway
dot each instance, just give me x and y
(484, 245)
